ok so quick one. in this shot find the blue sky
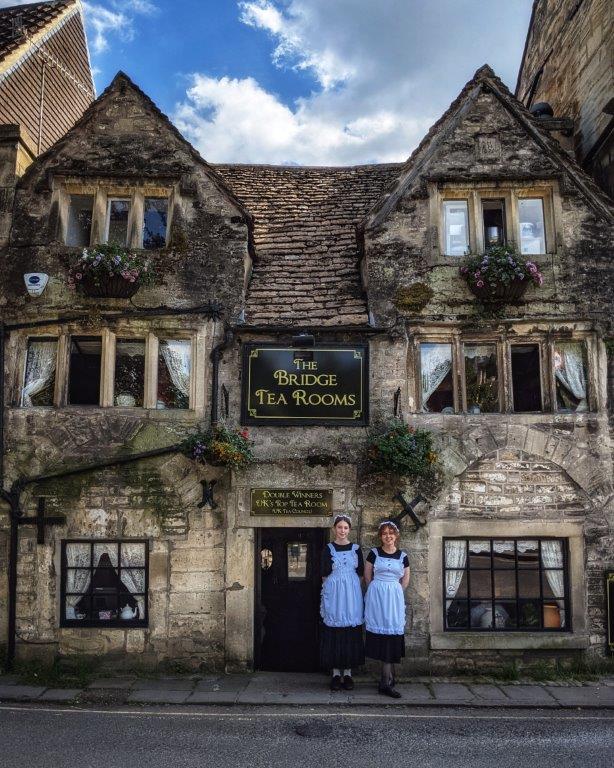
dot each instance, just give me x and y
(312, 82)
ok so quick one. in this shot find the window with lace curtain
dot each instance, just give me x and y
(506, 584)
(104, 583)
(151, 371)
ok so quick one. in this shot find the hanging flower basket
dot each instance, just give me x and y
(500, 276)
(110, 271)
(221, 446)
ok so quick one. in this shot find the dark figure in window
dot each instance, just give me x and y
(109, 593)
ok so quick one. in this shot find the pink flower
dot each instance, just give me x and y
(78, 276)
(480, 283)
(464, 270)
(477, 274)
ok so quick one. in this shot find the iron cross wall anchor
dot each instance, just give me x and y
(208, 494)
(408, 509)
(40, 521)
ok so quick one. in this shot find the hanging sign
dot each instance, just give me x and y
(609, 592)
(291, 501)
(319, 385)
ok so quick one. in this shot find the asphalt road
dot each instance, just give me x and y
(173, 738)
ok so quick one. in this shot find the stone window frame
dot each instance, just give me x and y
(511, 193)
(102, 192)
(503, 340)
(576, 637)
(107, 368)
(140, 623)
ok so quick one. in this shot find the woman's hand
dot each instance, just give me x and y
(405, 578)
(368, 572)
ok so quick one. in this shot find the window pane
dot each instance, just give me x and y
(456, 583)
(154, 222)
(118, 212)
(77, 580)
(528, 554)
(39, 380)
(505, 614)
(79, 220)
(105, 555)
(479, 554)
(436, 377)
(84, 372)
(174, 374)
(480, 583)
(129, 372)
(266, 559)
(532, 231)
(77, 608)
(554, 615)
(133, 555)
(78, 555)
(481, 614)
(297, 560)
(457, 614)
(456, 553)
(528, 583)
(505, 583)
(493, 216)
(456, 227)
(504, 554)
(481, 379)
(526, 378)
(570, 376)
(530, 614)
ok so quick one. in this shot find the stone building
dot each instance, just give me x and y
(348, 272)
(568, 63)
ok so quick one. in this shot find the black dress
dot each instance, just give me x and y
(340, 647)
(387, 648)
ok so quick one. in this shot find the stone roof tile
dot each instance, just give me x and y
(306, 265)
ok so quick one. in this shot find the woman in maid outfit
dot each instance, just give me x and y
(387, 576)
(341, 606)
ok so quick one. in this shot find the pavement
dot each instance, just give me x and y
(270, 688)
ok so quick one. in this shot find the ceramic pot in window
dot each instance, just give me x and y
(502, 293)
(109, 287)
(552, 616)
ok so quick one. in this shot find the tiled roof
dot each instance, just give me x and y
(33, 16)
(306, 267)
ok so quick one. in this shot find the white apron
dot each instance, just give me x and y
(341, 604)
(385, 602)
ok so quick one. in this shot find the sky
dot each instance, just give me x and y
(306, 82)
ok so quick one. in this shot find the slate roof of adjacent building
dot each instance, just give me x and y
(33, 17)
(304, 230)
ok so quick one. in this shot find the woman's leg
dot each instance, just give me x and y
(386, 674)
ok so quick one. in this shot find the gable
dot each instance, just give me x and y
(486, 134)
(123, 135)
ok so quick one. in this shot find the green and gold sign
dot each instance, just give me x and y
(291, 501)
(318, 385)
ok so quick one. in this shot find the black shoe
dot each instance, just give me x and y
(335, 683)
(348, 683)
(388, 690)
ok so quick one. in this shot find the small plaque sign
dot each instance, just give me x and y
(291, 501)
(488, 148)
(285, 386)
(609, 597)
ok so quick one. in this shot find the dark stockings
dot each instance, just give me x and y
(387, 675)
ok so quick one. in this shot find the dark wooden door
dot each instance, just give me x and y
(288, 605)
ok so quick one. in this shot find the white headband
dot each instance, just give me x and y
(347, 518)
(387, 522)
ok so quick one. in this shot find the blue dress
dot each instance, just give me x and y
(385, 607)
(341, 607)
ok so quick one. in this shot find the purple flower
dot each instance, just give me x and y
(464, 270)
(480, 283)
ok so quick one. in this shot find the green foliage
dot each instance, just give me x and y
(221, 446)
(500, 265)
(107, 260)
(413, 298)
(405, 451)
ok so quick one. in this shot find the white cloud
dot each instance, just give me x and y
(382, 74)
(114, 19)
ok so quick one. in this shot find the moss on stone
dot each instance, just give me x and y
(413, 298)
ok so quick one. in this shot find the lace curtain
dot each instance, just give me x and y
(77, 556)
(569, 370)
(176, 356)
(456, 557)
(435, 364)
(133, 574)
(40, 369)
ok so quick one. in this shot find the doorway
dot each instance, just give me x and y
(288, 587)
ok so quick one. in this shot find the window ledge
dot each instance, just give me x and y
(508, 640)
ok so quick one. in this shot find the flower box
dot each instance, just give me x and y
(500, 276)
(109, 287)
(501, 293)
